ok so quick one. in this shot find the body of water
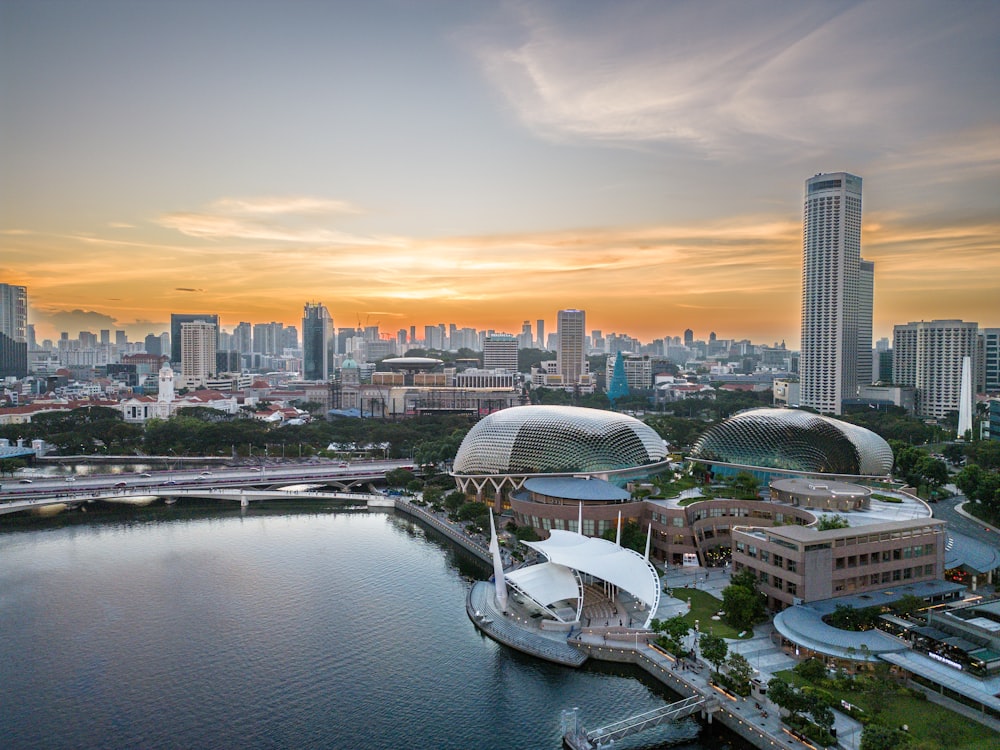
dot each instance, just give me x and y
(207, 628)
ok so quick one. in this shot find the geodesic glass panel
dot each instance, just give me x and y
(797, 441)
(557, 439)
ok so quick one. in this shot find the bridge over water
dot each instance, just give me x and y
(576, 738)
(241, 484)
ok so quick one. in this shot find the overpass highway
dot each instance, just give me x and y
(18, 494)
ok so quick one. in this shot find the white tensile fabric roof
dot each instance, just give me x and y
(546, 583)
(602, 559)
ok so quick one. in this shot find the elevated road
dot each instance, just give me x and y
(40, 491)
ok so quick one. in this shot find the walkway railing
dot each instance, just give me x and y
(642, 721)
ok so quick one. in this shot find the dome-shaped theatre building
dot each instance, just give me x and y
(544, 462)
(789, 442)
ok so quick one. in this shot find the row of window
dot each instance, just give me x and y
(847, 585)
(900, 553)
(779, 561)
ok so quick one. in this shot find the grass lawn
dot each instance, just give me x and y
(690, 500)
(703, 606)
(931, 726)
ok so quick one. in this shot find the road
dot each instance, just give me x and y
(945, 510)
(263, 474)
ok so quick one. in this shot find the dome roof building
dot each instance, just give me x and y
(794, 442)
(513, 444)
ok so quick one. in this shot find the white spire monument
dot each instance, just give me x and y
(501, 583)
(965, 399)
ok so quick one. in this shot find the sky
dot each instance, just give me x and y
(414, 162)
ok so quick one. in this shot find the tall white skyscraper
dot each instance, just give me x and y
(831, 291)
(571, 356)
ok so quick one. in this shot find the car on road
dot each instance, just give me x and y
(145, 474)
(70, 479)
(205, 474)
(24, 481)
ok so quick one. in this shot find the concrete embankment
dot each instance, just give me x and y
(459, 537)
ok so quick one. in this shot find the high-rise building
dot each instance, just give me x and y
(176, 320)
(928, 356)
(500, 353)
(153, 344)
(571, 355)
(540, 331)
(866, 299)
(268, 338)
(13, 331)
(198, 348)
(243, 338)
(526, 339)
(991, 359)
(317, 333)
(831, 291)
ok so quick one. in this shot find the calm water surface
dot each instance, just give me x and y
(187, 628)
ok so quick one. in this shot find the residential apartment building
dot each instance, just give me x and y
(197, 340)
(500, 353)
(177, 320)
(571, 355)
(928, 356)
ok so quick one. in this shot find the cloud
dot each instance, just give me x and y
(186, 289)
(741, 79)
(71, 321)
(296, 205)
(294, 220)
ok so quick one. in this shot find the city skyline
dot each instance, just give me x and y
(487, 164)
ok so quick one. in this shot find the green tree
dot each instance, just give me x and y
(472, 511)
(672, 633)
(811, 669)
(633, 537)
(933, 471)
(743, 604)
(744, 607)
(399, 477)
(10, 465)
(745, 578)
(879, 737)
(836, 521)
(740, 672)
(453, 501)
(818, 706)
(785, 696)
(714, 649)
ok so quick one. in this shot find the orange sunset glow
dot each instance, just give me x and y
(485, 165)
